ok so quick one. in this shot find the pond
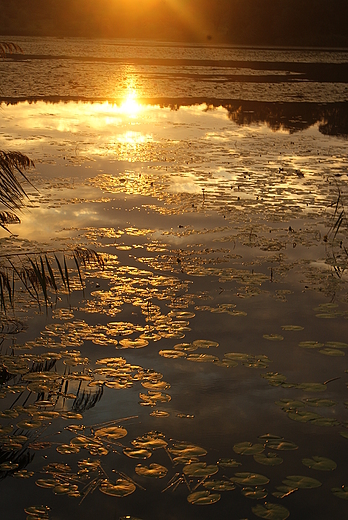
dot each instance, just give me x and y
(184, 356)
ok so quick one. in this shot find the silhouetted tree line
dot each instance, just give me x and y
(245, 22)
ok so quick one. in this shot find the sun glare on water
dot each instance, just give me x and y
(130, 105)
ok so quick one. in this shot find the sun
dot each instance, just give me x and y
(130, 105)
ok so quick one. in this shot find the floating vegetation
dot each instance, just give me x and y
(271, 511)
(320, 463)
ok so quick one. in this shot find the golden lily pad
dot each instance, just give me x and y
(110, 433)
(247, 448)
(153, 470)
(46, 482)
(228, 463)
(172, 354)
(121, 488)
(250, 479)
(200, 469)
(203, 498)
(219, 485)
(150, 441)
(159, 413)
(273, 337)
(205, 343)
(301, 482)
(29, 425)
(67, 449)
(271, 511)
(320, 463)
(38, 511)
(23, 473)
(202, 358)
(137, 453)
(182, 449)
(8, 466)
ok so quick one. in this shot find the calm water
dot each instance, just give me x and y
(200, 373)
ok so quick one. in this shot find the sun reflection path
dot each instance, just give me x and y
(130, 106)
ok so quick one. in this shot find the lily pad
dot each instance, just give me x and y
(111, 433)
(281, 445)
(334, 352)
(153, 470)
(271, 511)
(292, 327)
(247, 448)
(320, 463)
(137, 453)
(301, 482)
(254, 493)
(250, 479)
(121, 488)
(200, 469)
(219, 485)
(310, 344)
(273, 337)
(203, 498)
(269, 459)
(341, 492)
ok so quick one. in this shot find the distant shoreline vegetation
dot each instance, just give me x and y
(310, 23)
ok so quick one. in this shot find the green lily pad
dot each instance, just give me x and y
(290, 404)
(273, 337)
(200, 469)
(312, 387)
(320, 402)
(250, 479)
(335, 352)
(320, 463)
(254, 493)
(228, 463)
(281, 445)
(310, 344)
(203, 498)
(269, 459)
(301, 482)
(303, 416)
(336, 344)
(271, 512)
(274, 378)
(247, 448)
(284, 491)
(292, 327)
(341, 492)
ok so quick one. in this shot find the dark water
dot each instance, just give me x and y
(213, 181)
